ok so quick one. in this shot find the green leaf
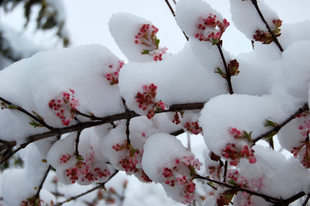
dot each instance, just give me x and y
(248, 136)
(79, 157)
(269, 123)
(219, 71)
(34, 124)
(145, 52)
(12, 106)
(157, 41)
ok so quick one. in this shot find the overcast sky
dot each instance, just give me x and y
(87, 21)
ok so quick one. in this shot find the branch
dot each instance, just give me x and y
(276, 129)
(41, 121)
(128, 114)
(173, 14)
(275, 39)
(77, 140)
(42, 182)
(101, 185)
(265, 197)
(228, 75)
(306, 200)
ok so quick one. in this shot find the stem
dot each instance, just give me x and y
(88, 191)
(42, 182)
(277, 128)
(228, 75)
(77, 140)
(225, 170)
(275, 39)
(173, 14)
(306, 200)
(28, 114)
(266, 197)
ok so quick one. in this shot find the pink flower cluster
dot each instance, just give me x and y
(305, 129)
(172, 176)
(65, 106)
(234, 178)
(234, 152)
(129, 157)
(265, 37)
(147, 37)
(209, 28)
(302, 152)
(146, 100)
(84, 170)
(193, 127)
(112, 75)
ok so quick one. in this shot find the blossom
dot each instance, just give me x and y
(65, 106)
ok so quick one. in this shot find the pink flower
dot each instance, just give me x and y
(65, 106)
(209, 28)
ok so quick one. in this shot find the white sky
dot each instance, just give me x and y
(87, 21)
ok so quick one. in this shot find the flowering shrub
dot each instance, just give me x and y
(129, 129)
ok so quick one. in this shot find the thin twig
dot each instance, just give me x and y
(225, 170)
(275, 39)
(266, 197)
(276, 129)
(42, 182)
(173, 14)
(101, 185)
(306, 200)
(27, 113)
(228, 75)
(77, 140)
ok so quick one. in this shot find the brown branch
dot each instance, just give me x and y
(265, 197)
(77, 140)
(306, 200)
(42, 182)
(225, 170)
(228, 75)
(27, 113)
(101, 185)
(276, 129)
(275, 39)
(84, 125)
(173, 14)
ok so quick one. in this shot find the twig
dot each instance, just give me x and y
(228, 75)
(77, 140)
(84, 125)
(275, 39)
(225, 170)
(306, 200)
(276, 129)
(27, 113)
(173, 14)
(42, 182)
(266, 197)
(101, 185)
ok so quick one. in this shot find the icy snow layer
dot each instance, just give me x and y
(32, 83)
